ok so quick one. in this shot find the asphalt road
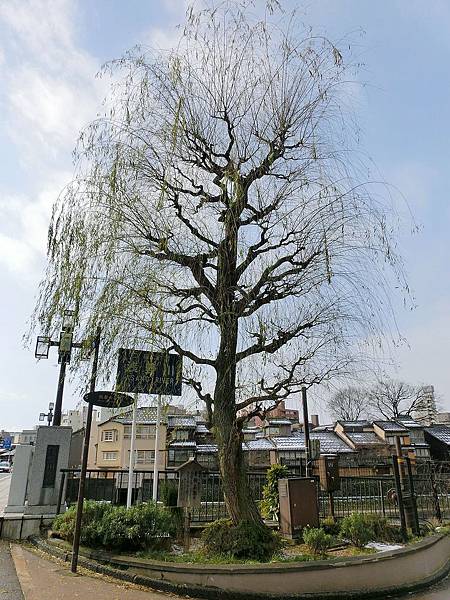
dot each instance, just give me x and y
(5, 480)
(9, 584)
(440, 591)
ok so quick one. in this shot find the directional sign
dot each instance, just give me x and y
(108, 399)
(143, 372)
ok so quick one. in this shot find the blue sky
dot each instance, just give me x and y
(50, 51)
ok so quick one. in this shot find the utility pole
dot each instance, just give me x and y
(64, 345)
(84, 461)
(306, 430)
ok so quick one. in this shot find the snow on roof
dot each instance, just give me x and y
(184, 421)
(182, 444)
(355, 424)
(279, 422)
(206, 448)
(258, 444)
(289, 443)
(146, 415)
(392, 426)
(364, 438)
(440, 432)
(201, 428)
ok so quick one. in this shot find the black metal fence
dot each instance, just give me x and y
(361, 492)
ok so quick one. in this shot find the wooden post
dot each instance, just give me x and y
(187, 529)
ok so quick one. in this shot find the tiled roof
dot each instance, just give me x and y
(364, 438)
(201, 428)
(206, 448)
(330, 442)
(440, 432)
(355, 425)
(182, 445)
(329, 427)
(279, 422)
(409, 423)
(258, 444)
(146, 415)
(392, 426)
(288, 443)
(184, 421)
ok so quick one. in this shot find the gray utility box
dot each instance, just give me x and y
(298, 505)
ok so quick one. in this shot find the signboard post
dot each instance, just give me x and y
(142, 372)
(189, 493)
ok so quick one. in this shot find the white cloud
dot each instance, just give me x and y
(49, 92)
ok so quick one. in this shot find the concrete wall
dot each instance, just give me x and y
(407, 568)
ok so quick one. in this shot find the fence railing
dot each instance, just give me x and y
(367, 493)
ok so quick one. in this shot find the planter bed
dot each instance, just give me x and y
(368, 576)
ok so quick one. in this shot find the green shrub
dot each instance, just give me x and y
(246, 540)
(317, 540)
(383, 530)
(270, 504)
(358, 529)
(145, 526)
(169, 493)
(329, 525)
(91, 522)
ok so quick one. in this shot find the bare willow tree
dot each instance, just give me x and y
(349, 403)
(216, 213)
(390, 399)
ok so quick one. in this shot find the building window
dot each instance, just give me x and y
(181, 435)
(109, 436)
(179, 457)
(259, 457)
(143, 432)
(110, 455)
(145, 457)
(290, 457)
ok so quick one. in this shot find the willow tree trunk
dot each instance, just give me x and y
(238, 498)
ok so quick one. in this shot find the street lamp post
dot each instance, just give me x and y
(49, 415)
(64, 345)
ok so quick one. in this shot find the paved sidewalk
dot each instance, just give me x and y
(43, 579)
(9, 584)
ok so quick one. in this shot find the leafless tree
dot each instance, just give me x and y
(390, 398)
(217, 213)
(349, 404)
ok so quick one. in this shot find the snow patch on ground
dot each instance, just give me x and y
(380, 547)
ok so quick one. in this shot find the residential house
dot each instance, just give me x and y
(438, 437)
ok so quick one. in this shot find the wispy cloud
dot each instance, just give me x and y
(49, 93)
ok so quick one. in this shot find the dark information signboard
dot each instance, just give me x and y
(142, 372)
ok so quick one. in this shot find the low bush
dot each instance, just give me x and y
(145, 526)
(383, 530)
(91, 523)
(329, 525)
(317, 541)
(169, 493)
(246, 540)
(358, 529)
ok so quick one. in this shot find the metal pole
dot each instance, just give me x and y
(87, 435)
(306, 429)
(416, 528)
(401, 507)
(155, 466)
(60, 493)
(60, 391)
(132, 461)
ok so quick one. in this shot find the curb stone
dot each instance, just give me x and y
(211, 593)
